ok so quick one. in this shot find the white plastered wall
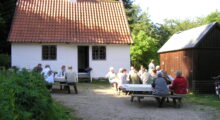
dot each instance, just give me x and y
(28, 55)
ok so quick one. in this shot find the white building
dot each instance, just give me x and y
(80, 34)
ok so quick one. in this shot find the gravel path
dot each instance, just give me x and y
(100, 102)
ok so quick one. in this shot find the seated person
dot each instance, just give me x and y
(158, 69)
(49, 78)
(46, 70)
(169, 79)
(134, 78)
(38, 68)
(160, 88)
(145, 77)
(153, 76)
(179, 85)
(111, 75)
(122, 77)
(62, 72)
(71, 79)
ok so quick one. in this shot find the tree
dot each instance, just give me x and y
(143, 49)
(213, 17)
(7, 8)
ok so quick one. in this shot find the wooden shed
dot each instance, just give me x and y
(196, 52)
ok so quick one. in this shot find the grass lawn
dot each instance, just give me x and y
(207, 100)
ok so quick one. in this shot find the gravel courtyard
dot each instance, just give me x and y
(100, 102)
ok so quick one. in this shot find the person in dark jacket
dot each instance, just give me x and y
(179, 85)
(38, 68)
(160, 88)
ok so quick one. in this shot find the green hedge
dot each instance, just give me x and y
(5, 60)
(23, 96)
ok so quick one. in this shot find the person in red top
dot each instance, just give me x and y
(179, 85)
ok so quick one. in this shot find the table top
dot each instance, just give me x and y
(137, 87)
(59, 79)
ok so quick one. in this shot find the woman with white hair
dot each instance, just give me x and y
(179, 85)
(111, 75)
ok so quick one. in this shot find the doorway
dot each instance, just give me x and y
(83, 58)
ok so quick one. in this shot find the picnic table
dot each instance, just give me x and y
(145, 90)
(136, 87)
(64, 84)
(59, 79)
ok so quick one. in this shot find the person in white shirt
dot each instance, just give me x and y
(131, 70)
(49, 78)
(122, 76)
(112, 77)
(151, 66)
(46, 71)
(71, 79)
(62, 72)
(158, 69)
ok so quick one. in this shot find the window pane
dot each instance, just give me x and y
(98, 52)
(49, 52)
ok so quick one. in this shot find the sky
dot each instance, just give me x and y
(159, 10)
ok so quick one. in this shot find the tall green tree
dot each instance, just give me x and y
(143, 49)
(7, 8)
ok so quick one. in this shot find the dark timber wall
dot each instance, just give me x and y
(198, 64)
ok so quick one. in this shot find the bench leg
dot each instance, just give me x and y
(160, 101)
(132, 98)
(168, 100)
(179, 102)
(174, 101)
(139, 99)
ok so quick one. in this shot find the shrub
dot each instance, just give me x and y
(5, 60)
(23, 96)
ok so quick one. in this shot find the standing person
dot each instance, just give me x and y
(145, 77)
(71, 79)
(62, 72)
(134, 78)
(160, 88)
(111, 75)
(38, 68)
(151, 66)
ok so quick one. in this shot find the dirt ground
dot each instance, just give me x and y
(101, 102)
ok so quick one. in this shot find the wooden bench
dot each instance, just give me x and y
(178, 97)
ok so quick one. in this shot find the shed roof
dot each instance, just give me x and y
(186, 39)
(63, 21)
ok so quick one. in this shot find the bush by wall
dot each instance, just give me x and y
(5, 60)
(23, 96)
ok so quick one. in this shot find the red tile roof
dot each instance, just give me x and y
(61, 21)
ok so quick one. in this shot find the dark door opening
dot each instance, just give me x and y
(83, 58)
